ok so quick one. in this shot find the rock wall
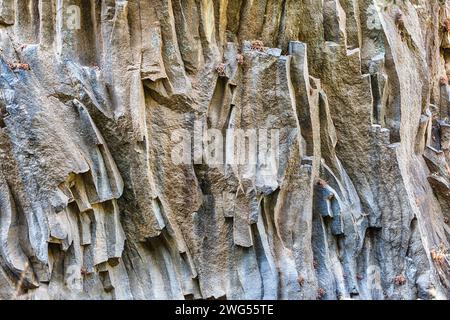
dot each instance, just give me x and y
(354, 203)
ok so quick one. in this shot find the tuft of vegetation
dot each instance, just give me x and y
(322, 183)
(301, 281)
(446, 25)
(240, 58)
(399, 21)
(400, 280)
(258, 45)
(440, 256)
(19, 66)
(321, 293)
(315, 264)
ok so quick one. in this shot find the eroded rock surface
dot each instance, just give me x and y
(353, 93)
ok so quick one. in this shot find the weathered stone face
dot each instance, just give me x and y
(271, 149)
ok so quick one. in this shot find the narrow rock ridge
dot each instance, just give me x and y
(353, 96)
